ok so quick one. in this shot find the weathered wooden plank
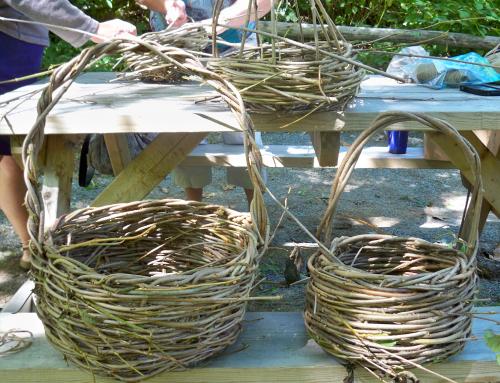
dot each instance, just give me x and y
(58, 174)
(490, 164)
(433, 151)
(93, 107)
(465, 372)
(303, 156)
(326, 146)
(118, 151)
(490, 139)
(16, 149)
(148, 169)
(273, 347)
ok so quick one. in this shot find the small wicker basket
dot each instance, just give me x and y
(386, 302)
(149, 66)
(133, 289)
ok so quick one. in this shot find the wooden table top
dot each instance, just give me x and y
(97, 104)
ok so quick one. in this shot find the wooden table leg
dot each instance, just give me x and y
(490, 163)
(16, 147)
(149, 168)
(58, 172)
(491, 140)
(118, 150)
(486, 207)
(326, 145)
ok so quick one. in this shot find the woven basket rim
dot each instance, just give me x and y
(66, 219)
(372, 275)
(144, 278)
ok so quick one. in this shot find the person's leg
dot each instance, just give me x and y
(22, 59)
(249, 195)
(194, 194)
(239, 176)
(12, 191)
(192, 179)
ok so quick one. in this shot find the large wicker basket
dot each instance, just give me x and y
(386, 302)
(133, 289)
(284, 75)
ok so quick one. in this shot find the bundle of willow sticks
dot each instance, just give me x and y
(129, 290)
(389, 303)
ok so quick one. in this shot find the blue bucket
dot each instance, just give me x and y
(398, 141)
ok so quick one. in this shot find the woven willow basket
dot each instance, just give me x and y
(133, 289)
(389, 303)
(292, 76)
(149, 66)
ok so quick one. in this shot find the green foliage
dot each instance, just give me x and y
(103, 10)
(493, 342)
(477, 17)
(59, 51)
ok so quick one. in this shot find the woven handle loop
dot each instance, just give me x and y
(470, 217)
(186, 62)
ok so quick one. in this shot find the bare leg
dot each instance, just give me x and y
(249, 194)
(12, 191)
(194, 194)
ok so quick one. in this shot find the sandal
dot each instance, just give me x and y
(25, 261)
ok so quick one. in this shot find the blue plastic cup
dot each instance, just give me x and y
(398, 141)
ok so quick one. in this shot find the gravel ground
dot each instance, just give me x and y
(415, 202)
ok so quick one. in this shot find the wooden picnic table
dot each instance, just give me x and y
(183, 114)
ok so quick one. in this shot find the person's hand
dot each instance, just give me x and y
(113, 28)
(175, 13)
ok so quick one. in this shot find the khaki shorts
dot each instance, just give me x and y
(197, 177)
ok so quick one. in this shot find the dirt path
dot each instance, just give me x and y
(413, 202)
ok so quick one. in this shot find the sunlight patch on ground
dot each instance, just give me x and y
(352, 186)
(5, 277)
(432, 223)
(454, 202)
(5, 254)
(384, 221)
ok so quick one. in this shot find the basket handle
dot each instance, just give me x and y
(384, 120)
(63, 77)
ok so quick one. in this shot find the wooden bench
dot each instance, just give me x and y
(273, 347)
(304, 156)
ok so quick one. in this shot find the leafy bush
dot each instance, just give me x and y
(60, 51)
(477, 17)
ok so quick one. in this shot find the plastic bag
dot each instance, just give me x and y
(439, 74)
(401, 66)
